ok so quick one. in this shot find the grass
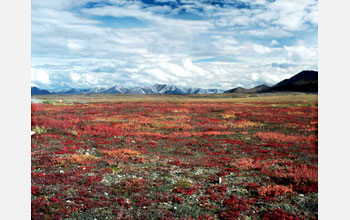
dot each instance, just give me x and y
(224, 97)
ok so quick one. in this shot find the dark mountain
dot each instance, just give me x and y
(37, 91)
(305, 81)
(257, 89)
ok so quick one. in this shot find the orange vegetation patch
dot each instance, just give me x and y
(121, 152)
(245, 124)
(82, 159)
(228, 115)
(274, 136)
(274, 190)
(246, 163)
(182, 110)
(299, 174)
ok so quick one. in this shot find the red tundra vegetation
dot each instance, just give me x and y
(175, 160)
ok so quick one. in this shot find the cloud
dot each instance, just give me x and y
(159, 74)
(75, 76)
(166, 1)
(274, 42)
(293, 15)
(301, 53)
(39, 76)
(261, 49)
(72, 45)
(192, 43)
(273, 31)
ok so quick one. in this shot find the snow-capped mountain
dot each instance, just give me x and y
(154, 89)
(169, 89)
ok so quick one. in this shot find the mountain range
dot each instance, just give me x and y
(154, 89)
(305, 81)
(161, 89)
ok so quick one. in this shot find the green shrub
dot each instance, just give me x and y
(39, 130)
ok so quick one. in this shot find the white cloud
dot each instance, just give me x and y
(75, 76)
(287, 15)
(158, 74)
(175, 69)
(261, 49)
(39, 76)
(187, 63)
(291, 14)
(73, 45)
(272, 31)
(274, 42)
(312, 16)
(301, 53)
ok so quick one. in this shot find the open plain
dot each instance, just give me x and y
(219, 156)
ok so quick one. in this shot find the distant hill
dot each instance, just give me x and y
(305, 81)
(260, 89)
(37, 91)
(257, 89)
(237, 90)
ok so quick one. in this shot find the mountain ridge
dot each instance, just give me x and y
(153, 89)
(304, 81)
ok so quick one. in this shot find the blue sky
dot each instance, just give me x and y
(197, 43)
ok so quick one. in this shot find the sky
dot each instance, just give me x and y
(193, 43)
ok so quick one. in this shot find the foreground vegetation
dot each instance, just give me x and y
(170, 157)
